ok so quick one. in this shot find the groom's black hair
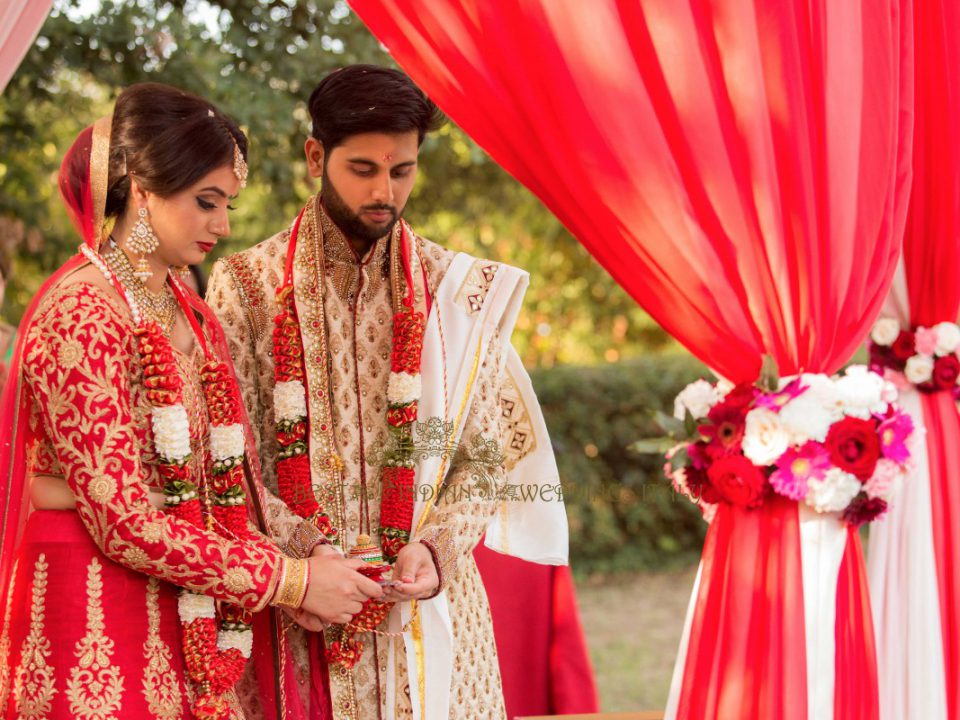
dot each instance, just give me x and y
(368, 98)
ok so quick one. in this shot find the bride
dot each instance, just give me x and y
(135, 563)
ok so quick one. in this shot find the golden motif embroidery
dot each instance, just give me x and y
(95, 687)
(160, 686)
(476, 285)
(252, 297)
(96, 416)
(34, 689)
(5, 644)
(517, 436)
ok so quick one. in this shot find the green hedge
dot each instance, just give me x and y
(623, 513)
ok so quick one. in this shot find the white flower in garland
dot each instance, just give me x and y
(919, 369)
(226, 441)
(821, 390)
(697, 397)
(289, 401)
(194, 606)
(241, 640)
(764, 439)
(834, 492)
(403, 388)
(885, 331)
(171, 432)
(948, 338)
(805, 418)
(861, 392)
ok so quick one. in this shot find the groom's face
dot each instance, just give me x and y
(367, 180)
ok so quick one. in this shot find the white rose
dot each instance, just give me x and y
(171, 432)
(919, 369)
(226, 441)
(289, 401)
(724, 387)
(805, 418)
(822, 390)
(948, 338)
(697, 397)
(885, 331)
(403, 388)
(241, 640)
(764, 439)
(834, 492)
(861, 392)
(193, 606)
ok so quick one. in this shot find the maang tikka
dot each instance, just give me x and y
(142, 241)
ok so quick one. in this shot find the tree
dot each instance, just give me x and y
(259, 61)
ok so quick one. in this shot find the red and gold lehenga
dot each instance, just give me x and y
(89, 605)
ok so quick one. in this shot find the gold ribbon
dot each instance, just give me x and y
(99, 175)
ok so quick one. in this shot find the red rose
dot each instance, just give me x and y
(946, 369)
(854, 446)
(738, 481)
(905, 346)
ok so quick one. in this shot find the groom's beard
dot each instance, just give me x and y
(350, 223)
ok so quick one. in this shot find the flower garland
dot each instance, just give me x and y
(926, 357)
(839, 445)
(214, 657)
(397, 474)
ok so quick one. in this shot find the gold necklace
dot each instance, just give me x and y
(159, 307)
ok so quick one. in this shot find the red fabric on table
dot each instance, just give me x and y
(742, 169)
(543, 655)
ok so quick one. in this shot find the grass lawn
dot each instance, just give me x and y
(633, 624)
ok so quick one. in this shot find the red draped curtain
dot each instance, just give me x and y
(741, 167)
(931, 254)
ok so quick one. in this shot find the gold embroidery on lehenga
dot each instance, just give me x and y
(160, 686)
(34, 689)
(95, 687)
(5, 644)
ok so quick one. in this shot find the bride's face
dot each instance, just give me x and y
(189, 223)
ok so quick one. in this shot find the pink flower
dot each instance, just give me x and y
(884, 480)
(894, 433)
(797, 466)
(775, 401)
(926, 341)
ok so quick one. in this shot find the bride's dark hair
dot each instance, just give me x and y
(168, 139)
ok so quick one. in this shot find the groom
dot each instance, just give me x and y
(367, 355)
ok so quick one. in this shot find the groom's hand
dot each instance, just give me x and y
(416, 573)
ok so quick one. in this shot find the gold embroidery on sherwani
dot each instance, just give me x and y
(476, 285)
(34, 689)
(5, 643)
(95, 687)
(160, 686)
(518, 439)
(365, 334)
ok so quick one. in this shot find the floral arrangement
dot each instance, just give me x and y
(926, 357)
(839, 445)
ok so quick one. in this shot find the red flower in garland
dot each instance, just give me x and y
(738, 481)
(946, 370)
(905, 346)
(854, 446)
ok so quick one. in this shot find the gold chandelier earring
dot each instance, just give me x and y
(142, 241)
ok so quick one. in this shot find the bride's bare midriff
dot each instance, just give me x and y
(50, 492)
